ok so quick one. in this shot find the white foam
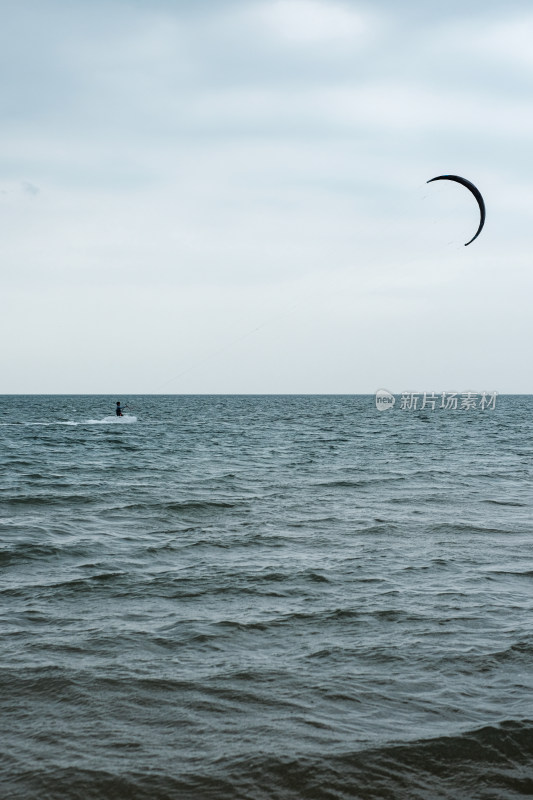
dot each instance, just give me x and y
(125, 419)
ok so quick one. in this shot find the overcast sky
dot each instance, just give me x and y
(211, 196)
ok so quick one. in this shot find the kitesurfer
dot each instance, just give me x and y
(118, 411)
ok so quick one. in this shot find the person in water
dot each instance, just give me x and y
(118, 410)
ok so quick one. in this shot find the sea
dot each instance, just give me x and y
(265, 598)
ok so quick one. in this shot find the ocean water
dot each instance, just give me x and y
(269, 597)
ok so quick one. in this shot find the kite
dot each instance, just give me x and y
(475, 191)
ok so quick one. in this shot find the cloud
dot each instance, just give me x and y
(502, 40)
(304, 22)
(201, 161)
(30, 188)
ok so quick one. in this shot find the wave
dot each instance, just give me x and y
(490, 762)
(355, 484)
(463, 527)
(178, 505)
(48, 499)
(516, 503)
(25, 551)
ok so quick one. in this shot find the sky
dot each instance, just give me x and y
(231, 197)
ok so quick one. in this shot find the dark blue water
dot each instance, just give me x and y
(265, 597)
